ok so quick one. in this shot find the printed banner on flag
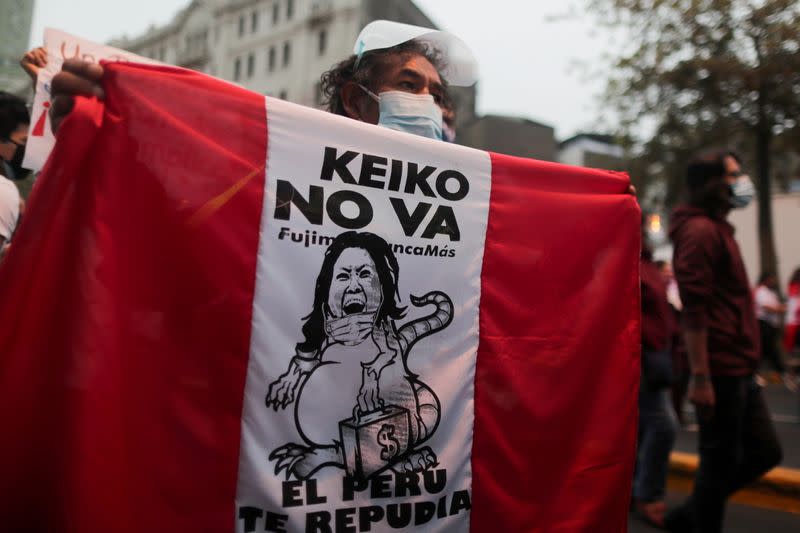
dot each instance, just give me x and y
(365, 327)
(61, 46)
(263, 317)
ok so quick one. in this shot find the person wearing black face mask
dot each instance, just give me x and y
(15, 163)
(14, 120)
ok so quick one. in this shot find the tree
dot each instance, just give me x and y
(698, 73)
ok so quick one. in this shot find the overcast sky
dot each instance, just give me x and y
(527, 61)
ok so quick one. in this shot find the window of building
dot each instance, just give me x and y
(237, 69)
(283, 95)
(289, 9)
(271, 59)
(241, 25)
(287, 53)
(254, 21)
(322, 42)
(251, 65)
(276, 12)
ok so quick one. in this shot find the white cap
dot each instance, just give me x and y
(460, 67)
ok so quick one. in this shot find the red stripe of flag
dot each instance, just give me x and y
(558, 362)
(117, 405)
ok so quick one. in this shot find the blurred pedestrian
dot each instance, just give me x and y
(770, 311)
(673, 295)
(737, 441)
(657, 423)
(9, 213)
(14, 120)
(680, 361)
(791, 334)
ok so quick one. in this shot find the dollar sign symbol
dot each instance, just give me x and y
(388, 443)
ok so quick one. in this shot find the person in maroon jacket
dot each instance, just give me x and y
(737, 440)
(657, 422)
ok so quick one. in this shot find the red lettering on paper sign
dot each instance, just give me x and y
(38, 128)
(86, 57)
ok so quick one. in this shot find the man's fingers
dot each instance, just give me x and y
(40, 56)
(69, 83)
(83, 69)
(81, 78)
(60, 106)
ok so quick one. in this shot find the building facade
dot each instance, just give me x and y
(509, 135)
(281, 47)
(592, 150)
(15, 30)
(274, 47)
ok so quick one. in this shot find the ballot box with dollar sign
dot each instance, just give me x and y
(374, 440)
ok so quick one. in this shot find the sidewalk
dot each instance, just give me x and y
(778, 489)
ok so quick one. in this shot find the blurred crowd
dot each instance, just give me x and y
(711, 339)
(14, 124)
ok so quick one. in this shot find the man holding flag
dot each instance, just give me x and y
(319, 325)
(398, 78)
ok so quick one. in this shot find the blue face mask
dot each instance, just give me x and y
(742, 192)
(412, 113)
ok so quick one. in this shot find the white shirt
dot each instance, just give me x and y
(9, 207)
(674, 295)
(765, 296)
(793, 311)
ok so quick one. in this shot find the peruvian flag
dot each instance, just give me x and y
(225, 312)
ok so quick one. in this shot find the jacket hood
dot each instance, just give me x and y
(681, 214)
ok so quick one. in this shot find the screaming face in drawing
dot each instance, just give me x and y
(357, 406)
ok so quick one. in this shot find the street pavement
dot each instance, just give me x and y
(738, 519)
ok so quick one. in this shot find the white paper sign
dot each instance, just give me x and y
(61, 46)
